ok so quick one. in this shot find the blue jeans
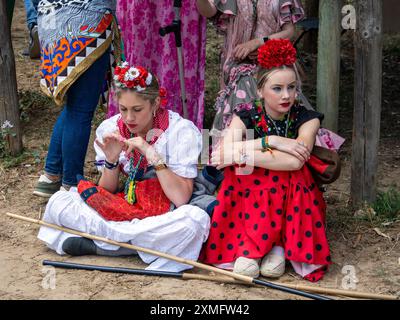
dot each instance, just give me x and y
(31, 12)
(71, 133)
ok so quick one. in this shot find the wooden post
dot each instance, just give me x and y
(328, 67)
(9, 108)
(10, 10)
(367, 100)
(311, 38)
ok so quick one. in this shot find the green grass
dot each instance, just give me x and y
(32, 156)
(212, 76)
(387, 204)
(391, 44)
(32, 101)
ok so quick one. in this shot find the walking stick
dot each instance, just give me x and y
(192, 276)
(175, 27)
(246, 279)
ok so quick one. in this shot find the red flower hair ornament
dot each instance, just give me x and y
(136, 78)
(276, 53)
(163, 96)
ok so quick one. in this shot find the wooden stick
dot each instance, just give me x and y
(232, 277)
(194, 276)
(322, 290)
(199, 265)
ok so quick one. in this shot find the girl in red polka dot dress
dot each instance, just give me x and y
(269, 207)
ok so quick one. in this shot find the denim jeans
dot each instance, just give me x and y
(71, 133)
(31, 12)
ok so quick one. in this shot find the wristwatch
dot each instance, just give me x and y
(265, 39)
(111, 165)
(160, 166)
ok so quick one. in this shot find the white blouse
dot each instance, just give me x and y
(179, 146)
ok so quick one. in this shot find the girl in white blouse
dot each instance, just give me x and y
(145, 142)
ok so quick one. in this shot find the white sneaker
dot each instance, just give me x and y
(273, 265)
(247, 267)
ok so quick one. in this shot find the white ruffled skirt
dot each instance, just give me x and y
(180, 232)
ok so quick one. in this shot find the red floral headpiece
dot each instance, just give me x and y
(276, 53)
(135, 77)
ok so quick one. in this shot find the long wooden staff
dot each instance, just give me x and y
(199, 265)
(192, 276)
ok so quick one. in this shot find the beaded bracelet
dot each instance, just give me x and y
(265, 145)
(110, 165)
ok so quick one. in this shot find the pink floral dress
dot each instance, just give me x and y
(140, 22)
(241, 21)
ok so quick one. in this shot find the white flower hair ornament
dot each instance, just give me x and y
(132, 77)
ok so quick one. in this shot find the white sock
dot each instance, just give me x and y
(43, 178)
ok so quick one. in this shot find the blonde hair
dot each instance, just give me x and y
(263, 75)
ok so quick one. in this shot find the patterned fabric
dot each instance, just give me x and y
(73, 34)
(236, 21)
(140, 22)
(179, 146)
(160, 122)
(265, 209)
(180, 232)
(256, 118)
(270, 208)
(150, 201)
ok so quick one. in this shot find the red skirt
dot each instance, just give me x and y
(267, 208)
(150, 201)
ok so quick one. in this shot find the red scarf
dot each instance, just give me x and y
(160, 121)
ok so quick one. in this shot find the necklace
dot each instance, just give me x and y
(130, 185)
(274, 123)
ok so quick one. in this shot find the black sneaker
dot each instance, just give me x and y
(34, 44)
(77, 246)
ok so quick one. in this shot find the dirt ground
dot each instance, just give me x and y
(355, 245)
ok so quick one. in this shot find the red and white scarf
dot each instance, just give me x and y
(160, 122)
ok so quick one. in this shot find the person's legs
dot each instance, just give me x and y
(82, 100)
(31, 22)
(50, 182)
(31, 13)
(53, 165)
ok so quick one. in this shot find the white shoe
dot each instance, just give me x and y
(247, 267)
(273, 265)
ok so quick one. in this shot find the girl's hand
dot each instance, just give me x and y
(294, 147)
(241, 51)
(136, 143)
(111, 146)
(253, 55)
(226, 154)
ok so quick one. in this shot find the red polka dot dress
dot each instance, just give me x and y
(269, 208)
